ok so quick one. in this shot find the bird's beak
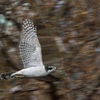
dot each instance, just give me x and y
(55, 68)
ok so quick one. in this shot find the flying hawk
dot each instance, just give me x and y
(30, 52)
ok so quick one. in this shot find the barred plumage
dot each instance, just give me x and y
(6, 76)
(30, 52)
(29, 47)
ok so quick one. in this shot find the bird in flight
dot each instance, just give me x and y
(30, 52)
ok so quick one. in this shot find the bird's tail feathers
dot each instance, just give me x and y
(6, 76)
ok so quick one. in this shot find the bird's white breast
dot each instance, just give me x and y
(34, 72)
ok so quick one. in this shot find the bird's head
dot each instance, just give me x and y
(50, 69)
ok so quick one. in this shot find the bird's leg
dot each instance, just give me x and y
(16, 75)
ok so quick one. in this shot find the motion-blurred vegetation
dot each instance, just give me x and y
(69, 33)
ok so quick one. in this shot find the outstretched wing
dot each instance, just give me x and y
(29, 46)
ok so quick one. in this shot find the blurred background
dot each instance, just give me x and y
(69, 33)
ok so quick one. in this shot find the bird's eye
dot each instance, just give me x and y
(50, 68)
